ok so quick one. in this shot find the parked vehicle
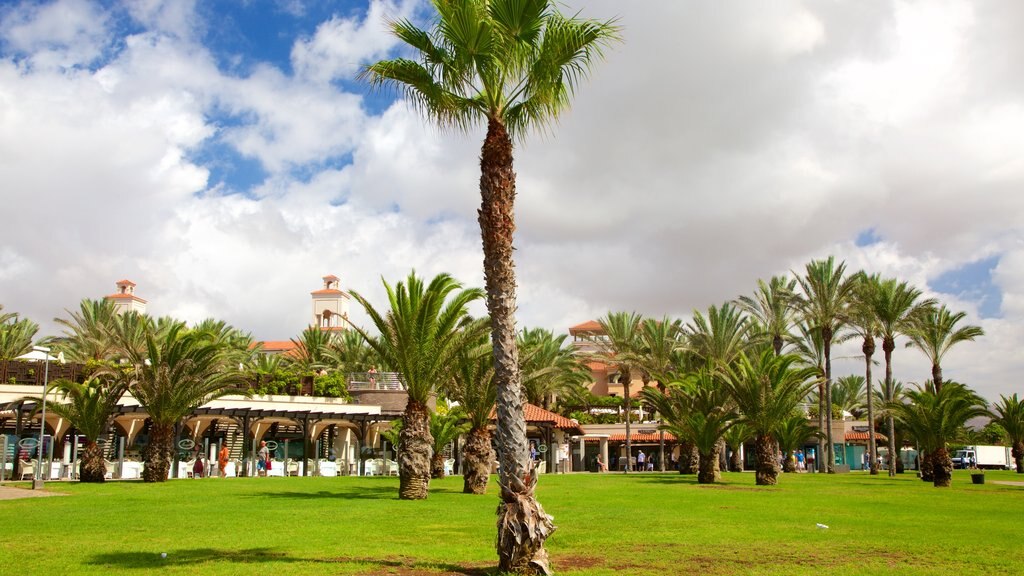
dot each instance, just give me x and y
(993, 457)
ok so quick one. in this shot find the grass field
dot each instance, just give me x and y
(608, 524)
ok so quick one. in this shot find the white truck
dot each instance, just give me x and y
(994, 457)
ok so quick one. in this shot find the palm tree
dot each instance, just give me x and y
(312, 349)
(349, 351)
(446, 425)
(472, 386)
(718, 339)
(661, 345)
(1009, 415)
(178, 372)
(864, 324)
(734, 438)
(767, 389)
(239, 346)
(933, 331)
(90, 406)
(619, 345)
(810, 349)
(934, 417)
(420, 335)
(513, 64)
(848, 394)
(772, 309)
(894, 305)
(791, 434)
(549, 368)
(87, 331)
(826, 297)
(699, 410)
(16, 337)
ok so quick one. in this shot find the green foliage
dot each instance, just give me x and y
(331, 385)
(767, 389)
(16, 336)
(934, 419)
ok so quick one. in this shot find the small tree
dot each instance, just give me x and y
(1009, 415)
(791, 434)
(472, 385)
(934, 418)
(446, 425)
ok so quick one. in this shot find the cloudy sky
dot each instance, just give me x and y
(222, 156)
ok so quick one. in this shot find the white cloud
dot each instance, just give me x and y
(717, 145)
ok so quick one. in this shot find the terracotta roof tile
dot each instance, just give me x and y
(324, 291)
(636, 437)
(588, 326)
(863, 437)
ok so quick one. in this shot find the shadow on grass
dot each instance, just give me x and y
(194, 556)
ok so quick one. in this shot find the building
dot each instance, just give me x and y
(330, 305)
(125, 299)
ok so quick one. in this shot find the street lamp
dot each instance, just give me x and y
(37, 482)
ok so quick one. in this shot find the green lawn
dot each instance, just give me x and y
(608, 524)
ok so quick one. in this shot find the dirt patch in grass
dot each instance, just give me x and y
(404, 566)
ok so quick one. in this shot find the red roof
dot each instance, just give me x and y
(636, 437)
(588, 326)
(863, 437)
(125, 283)
(536, 414)
(331, 277)
(278, 345)
(125, 297)
(323, 291)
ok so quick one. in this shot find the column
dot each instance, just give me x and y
(583, 454)
(604, 452)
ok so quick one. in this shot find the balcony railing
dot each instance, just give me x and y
(375, 381)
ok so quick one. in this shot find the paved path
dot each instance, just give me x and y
(1008, 482)
(8, 493)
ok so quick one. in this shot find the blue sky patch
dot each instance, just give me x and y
(867, 238)
(973, 281)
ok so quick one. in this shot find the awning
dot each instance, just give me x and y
(638, 437)
(863, 437)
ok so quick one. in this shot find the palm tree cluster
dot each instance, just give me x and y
(16, 335)
(773, 351)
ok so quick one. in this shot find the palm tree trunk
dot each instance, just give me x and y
(477, 457)
(820, 456)
(625, 378)
(689, 458)
(942, 466)
(830, 463)
(889, 422)
(417, 446)
(706, 473)
(158, 453)
(437, 466)
(869, 350)
(735, 462)
(937, 377)
(523, 526)
(767, 471)
(93, 467)
(1017, 450)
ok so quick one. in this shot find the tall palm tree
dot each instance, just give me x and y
(349, 351)
(472, 386)
(1009, 415)
(772, 308)
(90, 406)
(827, 293)
(934, 418)
(698, 409)
(661, 344)
(513, 64)
(178, 372)
(934, 331)
(420, 335)
(239, 346)
(894, 304)
(810, 349)
(87, 332)
(767, 389)
(619, 345)
(864, 323)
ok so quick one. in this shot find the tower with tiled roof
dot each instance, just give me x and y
(330, 305)
(125, 299)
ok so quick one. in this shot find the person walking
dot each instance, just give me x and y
(262, 458)
(641, 459)
(222, 459)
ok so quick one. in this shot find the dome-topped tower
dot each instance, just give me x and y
(330, 305)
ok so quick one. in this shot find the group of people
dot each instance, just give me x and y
(223, 457)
